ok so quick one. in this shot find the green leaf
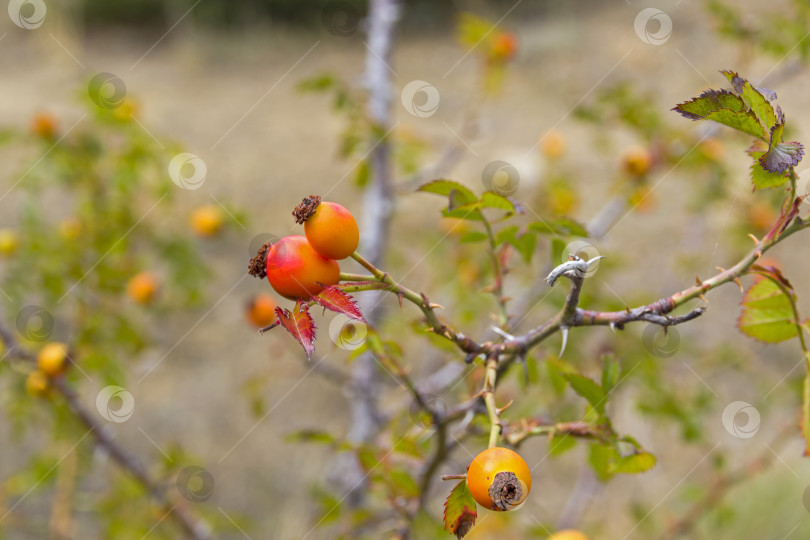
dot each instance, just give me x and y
(555, 370)
(524, 243)
(633, 464)
(588, 389)
(745, 121)
(446, 187)
(490, 199)
(506, 235)
(708, 102)
(403, 482)
(472, 237)
(319, 83)
(600, 458)
(311, 436)
(767, 314)
(610, 373)
(460, 511)
(560, 444)
(363, 174)
(461, 201)
(763, 179)
(754, 98)
(559, 227)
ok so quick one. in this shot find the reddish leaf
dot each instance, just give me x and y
(459, 510)
(336, 300)
(781, 155)
(299, 323)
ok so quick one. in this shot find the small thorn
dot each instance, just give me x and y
(758, 254)
(400, 296)
(435, 306)
(500, 411)
(268, 328)
(564, 330)
(627, 309)
(739, 282)
(703, 297)
(754, 238)
(613, 327)
(505, 335)
(697, 281)
(720, 268)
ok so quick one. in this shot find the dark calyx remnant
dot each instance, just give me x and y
(505, 490)
(258, 264)
(307, 207)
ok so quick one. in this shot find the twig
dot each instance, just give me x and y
(192, 525)
(721, 485)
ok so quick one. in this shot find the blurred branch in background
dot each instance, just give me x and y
(378, 208)
(194, 526)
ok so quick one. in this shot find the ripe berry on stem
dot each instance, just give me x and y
(52, 359)
(499, 479)
(294, 269)
(329, 227)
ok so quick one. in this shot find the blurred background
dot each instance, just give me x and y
(267, 102)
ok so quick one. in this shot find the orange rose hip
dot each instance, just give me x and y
(329, 227)
(297, 271)
(499, 479)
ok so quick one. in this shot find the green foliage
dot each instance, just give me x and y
(767, 312)
(750, 110)
(93, 208)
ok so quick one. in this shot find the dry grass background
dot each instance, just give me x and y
(196, 85)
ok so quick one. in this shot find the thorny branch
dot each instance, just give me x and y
(499, 355)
